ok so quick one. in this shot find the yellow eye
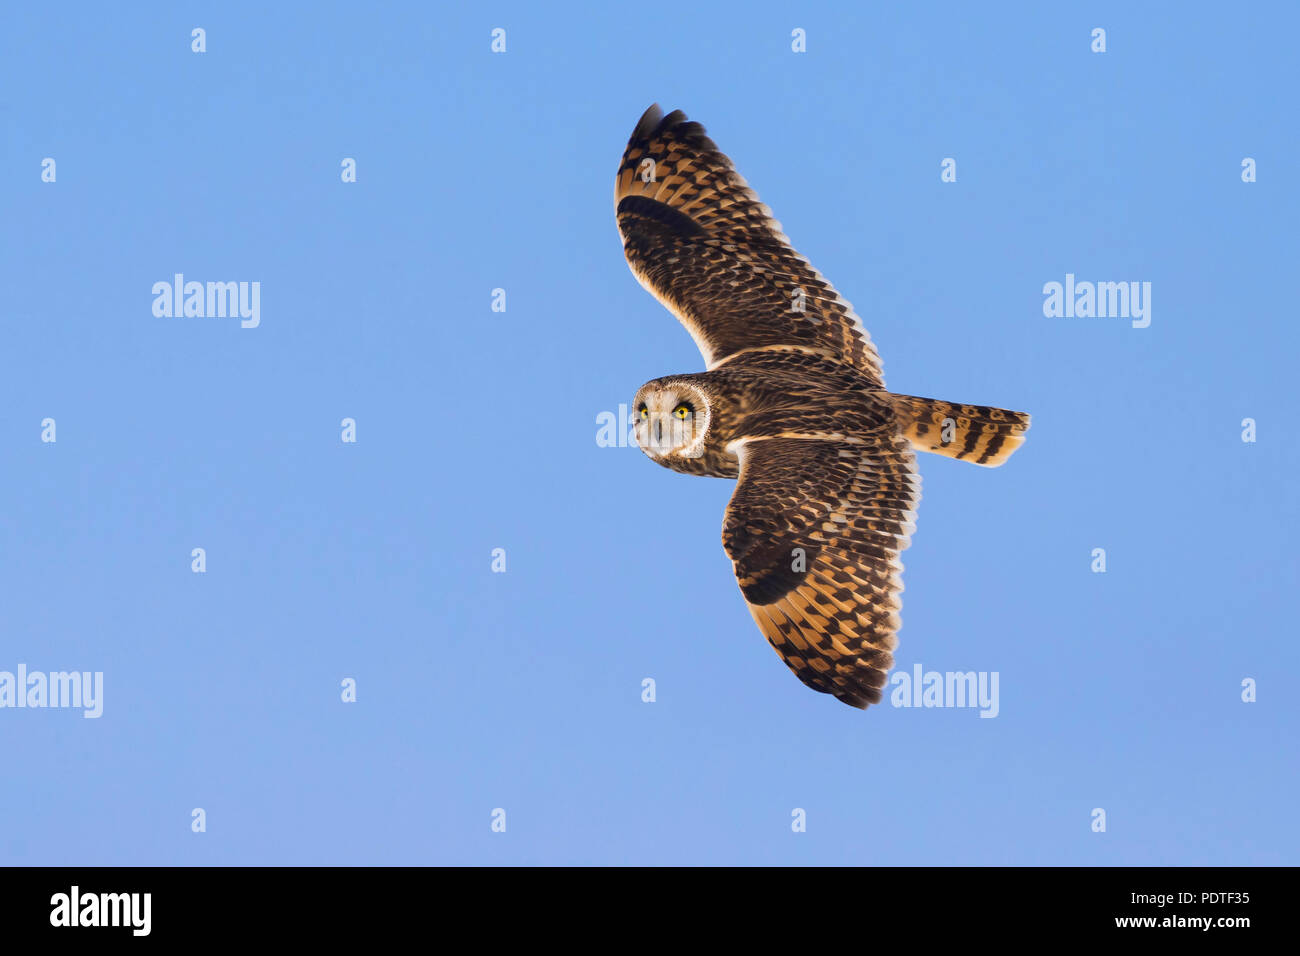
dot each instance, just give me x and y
(681, 411)
(644, 413)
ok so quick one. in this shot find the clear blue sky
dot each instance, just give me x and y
(477, 430)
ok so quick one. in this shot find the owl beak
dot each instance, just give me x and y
(659, 430)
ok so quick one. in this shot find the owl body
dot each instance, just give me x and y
(764, 394)
(792, 404)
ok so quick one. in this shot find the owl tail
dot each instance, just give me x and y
(974, 433)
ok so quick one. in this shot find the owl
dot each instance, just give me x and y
(792, 404)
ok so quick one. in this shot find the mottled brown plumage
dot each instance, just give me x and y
(793, 403)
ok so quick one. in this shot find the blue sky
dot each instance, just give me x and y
(477, 430)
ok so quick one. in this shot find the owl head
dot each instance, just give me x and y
(671, 418)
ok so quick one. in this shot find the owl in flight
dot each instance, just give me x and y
(793, 404)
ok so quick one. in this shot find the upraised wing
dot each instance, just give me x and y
(697, 237)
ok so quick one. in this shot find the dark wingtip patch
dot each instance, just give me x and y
(653, 122)
(675, 118)
(649, 121)
(856, 697)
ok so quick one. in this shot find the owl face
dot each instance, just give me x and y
(670, 419)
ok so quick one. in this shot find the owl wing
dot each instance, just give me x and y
(814, 530)
(697, 237)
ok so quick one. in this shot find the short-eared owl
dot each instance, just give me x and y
(793, 404)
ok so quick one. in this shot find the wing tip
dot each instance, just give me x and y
(649, 121)
(654, 122)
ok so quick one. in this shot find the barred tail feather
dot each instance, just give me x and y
(975, 433)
